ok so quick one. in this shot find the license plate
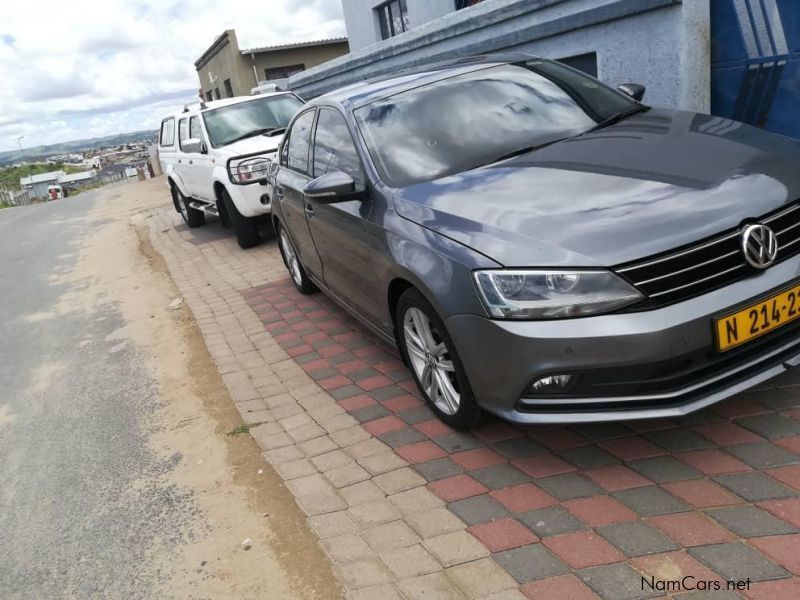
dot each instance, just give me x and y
(756, 320)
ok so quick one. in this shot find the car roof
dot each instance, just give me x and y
(239, 99)
(205, 105)
(362, 93)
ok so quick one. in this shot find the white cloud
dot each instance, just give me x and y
(85, 68)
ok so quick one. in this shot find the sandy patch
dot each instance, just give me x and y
(238, 493)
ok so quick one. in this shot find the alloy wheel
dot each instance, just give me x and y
(291, 259)
(431, 361)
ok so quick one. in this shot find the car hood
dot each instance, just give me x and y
(653, 182)
(258, 143)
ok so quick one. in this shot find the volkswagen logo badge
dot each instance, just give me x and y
(759, 245)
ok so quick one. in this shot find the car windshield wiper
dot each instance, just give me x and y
(274, 131)
(518, 152)
(617, 117)
(249, 134)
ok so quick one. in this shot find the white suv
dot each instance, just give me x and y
(218, 162)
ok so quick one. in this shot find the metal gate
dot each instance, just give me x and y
(755, 63)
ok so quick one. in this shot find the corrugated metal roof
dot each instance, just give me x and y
(41, 178)
(321, 42)
(82, 176)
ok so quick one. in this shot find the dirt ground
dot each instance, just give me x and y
(238, 494)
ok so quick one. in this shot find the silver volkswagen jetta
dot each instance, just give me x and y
(543, 247)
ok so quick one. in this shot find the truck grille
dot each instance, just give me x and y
(707, 265)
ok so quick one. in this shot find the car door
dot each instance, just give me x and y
(183, 164)
(339, 229)
(293, 175)
(167, 154)
(200, 167)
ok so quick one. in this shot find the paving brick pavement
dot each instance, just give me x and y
(405, 507)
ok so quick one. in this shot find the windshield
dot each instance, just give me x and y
(459, 123)
(230, 123)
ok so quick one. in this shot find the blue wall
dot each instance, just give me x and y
(755, 63)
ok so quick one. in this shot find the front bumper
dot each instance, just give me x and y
(640, 365)
(252, 200)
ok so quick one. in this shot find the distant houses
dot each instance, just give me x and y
(38, 184)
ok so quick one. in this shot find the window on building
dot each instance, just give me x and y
(393, 18)
(299, 141)
(209, 95)
(583, 62)
(168, 132)
(466, 3)
(228, 88)
(281, 72)
(216, 94)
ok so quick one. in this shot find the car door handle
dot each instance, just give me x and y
(179, 160)
(309, 209)
(191, 162)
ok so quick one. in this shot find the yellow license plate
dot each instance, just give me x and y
(758, 319)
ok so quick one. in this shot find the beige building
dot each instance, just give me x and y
(224, 70)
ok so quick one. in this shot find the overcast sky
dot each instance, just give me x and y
(79, 69)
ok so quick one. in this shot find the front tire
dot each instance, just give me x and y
(191, 216)
(296, 270)
(434, 362)
(246, 230)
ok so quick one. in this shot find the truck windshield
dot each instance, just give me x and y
(230, 123)
(469, 120)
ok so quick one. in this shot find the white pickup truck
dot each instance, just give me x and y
(216, 155)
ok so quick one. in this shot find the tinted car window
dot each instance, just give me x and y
(333, 147)
(468, 120)
(299, 142)
(228, 124)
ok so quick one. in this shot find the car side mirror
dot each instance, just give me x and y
(203, 147)
(192, 146)
(634, 90)
(336, 186)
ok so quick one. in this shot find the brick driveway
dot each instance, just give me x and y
(408, 508)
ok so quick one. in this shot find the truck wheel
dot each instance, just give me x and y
(191, 216)
(246, 230)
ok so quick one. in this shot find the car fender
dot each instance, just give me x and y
(219, 177)
(439, 267)
(173, 178)
(244, 197)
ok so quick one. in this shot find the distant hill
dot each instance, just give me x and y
(40, 152)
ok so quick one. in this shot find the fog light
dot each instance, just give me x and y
(265, 199)
(552, 384)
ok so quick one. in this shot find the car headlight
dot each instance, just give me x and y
(550, 294)
(249, 170)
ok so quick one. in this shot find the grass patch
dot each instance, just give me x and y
(240, 429)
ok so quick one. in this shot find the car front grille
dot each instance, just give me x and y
(707, 265)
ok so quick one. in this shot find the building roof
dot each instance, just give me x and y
(76, 177)
(275, 48)
(225, 38)
(215, 47)
(41, 178)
